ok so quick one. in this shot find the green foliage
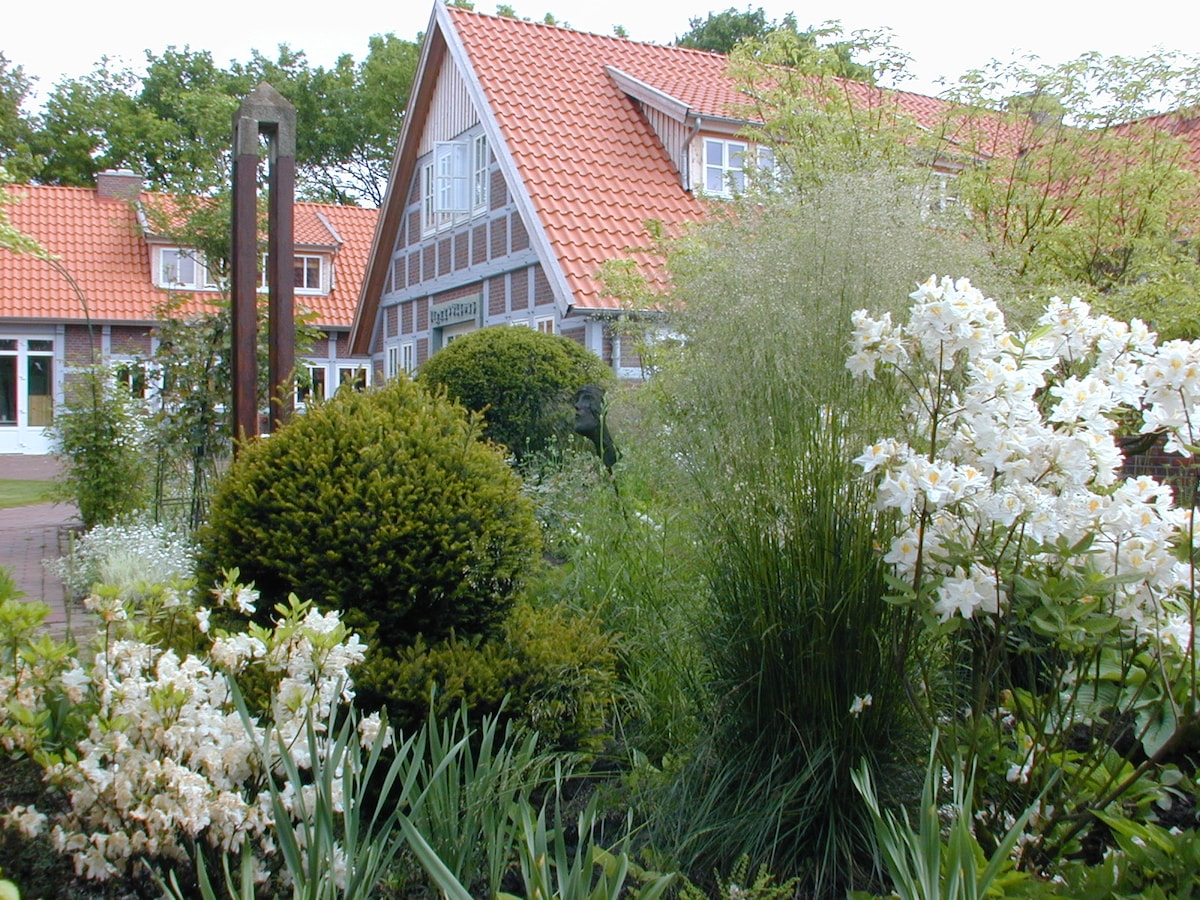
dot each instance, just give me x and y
(1149, 861)
(936, 861)
(170, 119)
(554, 860)
(521, 380)
(816, 124)
(731, 30)
(464, 810)
(551, 670)
(738, 886)
(98, 436)
(797, 633)
(16, 126)
(383, 504)
(629, 557)
(721, 32)
(1102, 188)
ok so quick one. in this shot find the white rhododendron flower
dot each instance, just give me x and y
(1026, 463)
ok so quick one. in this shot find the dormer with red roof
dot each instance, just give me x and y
(98, 298)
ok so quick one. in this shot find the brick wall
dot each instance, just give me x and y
(128, 340)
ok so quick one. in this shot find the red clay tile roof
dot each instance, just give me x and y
(100, 244)
(593, 167)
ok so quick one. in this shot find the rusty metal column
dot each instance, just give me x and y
(264, 111)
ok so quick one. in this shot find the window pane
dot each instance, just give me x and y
(41, 346)
(8, 389)
(315, 389)
(307, 273)
(41, 390)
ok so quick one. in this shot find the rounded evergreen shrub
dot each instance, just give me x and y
(384, 504)
(550, 668)
(521, 380)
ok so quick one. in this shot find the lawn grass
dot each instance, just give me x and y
(24, 493)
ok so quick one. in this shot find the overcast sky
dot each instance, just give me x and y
(944, 39)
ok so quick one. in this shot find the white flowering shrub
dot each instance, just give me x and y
(158, 756)
(124, 555)
(1059, 591)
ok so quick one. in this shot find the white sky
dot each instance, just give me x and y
(944, 39)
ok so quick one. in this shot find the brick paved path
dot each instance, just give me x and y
(31, 534)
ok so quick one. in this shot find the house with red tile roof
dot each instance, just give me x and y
(529, 156)
(98, 299)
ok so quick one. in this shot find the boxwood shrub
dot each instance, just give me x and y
(521, 380)
(556, 667)
(384, 504)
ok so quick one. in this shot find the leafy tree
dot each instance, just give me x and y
(79, 121)
(726, 31)
(721, 32)
(1077, 178)
(171, 121)
(16, 126)
(814, 117)
(1088, 183)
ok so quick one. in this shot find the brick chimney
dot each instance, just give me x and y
(118, 184)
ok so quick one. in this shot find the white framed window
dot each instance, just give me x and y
(728, 165)
(544, 324)
(26, 382)
(482, 173)
(179, 267)
(142, 379)
(724, 167)
(941, 191)
(356, 376)
(312, 388)
(400, 358)
(454, 186)
(308, 273)
(452, 177)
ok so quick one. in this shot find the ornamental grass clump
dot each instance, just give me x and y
(801, 677)
(1059, 592)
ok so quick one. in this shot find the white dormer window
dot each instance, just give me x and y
(308, 273)
(724, 167)
(181, 268)
(728, 164)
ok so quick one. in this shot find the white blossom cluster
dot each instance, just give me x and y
(1013, 458)
(124, 555)
(166, 758)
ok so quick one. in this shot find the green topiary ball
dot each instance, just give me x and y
(521, 380)
(383, 504)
